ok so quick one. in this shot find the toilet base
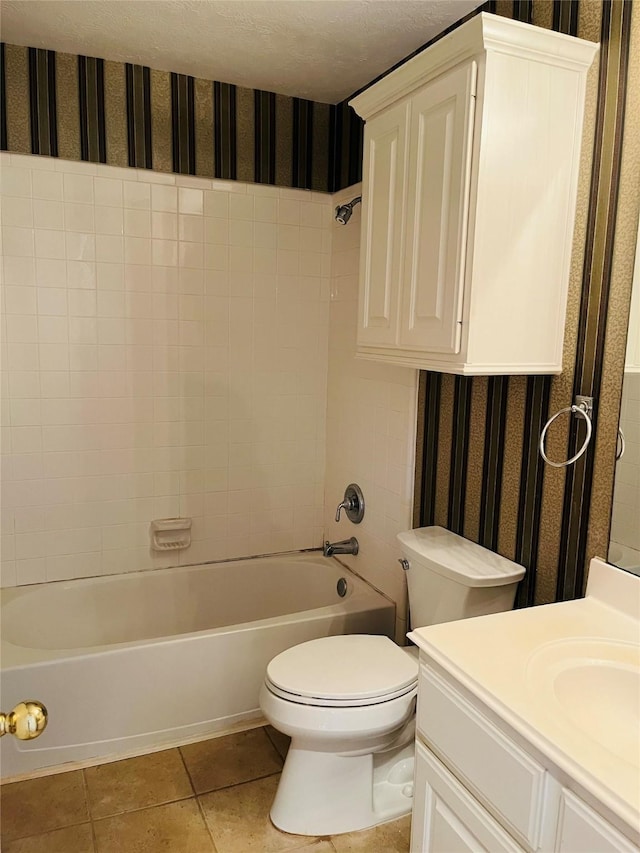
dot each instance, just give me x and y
(321, 793)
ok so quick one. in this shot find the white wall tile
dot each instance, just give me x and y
(15, 182)
(20, 300)
(80, 247)
(147, 375)
(370, 429)
(77, 187)
(48, 214)
(47, 185)
(164, 198)
(49, 244)
(17, 212)
(136, 195)
(109, 248)
(19, 270)
(18, 242)
(216, 203)
(49, 273)
(191, 201)
(107, 191)
(110, 220)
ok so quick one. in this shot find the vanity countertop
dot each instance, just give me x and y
(566, 677)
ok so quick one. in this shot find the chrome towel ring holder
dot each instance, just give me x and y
(583, 407)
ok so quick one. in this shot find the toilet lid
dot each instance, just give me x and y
(348, 669)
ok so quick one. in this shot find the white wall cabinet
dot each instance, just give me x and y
(471, 155)
(477, 789)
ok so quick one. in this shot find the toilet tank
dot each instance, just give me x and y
(452, 578)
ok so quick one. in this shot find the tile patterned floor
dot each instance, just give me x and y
(209, 797)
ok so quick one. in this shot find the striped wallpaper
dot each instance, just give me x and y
(83, 108)
(479, 472)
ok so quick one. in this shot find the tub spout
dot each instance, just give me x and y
(346, 546)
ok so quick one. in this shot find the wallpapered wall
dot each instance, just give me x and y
(479, 471)
(83, 108)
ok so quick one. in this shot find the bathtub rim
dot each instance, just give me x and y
(13, 656)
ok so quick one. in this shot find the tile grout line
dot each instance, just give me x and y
(143, 808)
(206, 823)
(273, 745)
(46, 832)
(238, 784)
(89, 812)
(184, 764)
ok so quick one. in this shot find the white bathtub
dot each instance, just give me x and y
(131, 663)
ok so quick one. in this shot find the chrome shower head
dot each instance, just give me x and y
(344, 211)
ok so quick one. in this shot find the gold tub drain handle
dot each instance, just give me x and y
(27, 720)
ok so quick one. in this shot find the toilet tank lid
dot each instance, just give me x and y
(457, 558)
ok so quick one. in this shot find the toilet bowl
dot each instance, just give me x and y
(348, 702)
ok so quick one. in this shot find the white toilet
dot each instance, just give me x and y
(348, 702)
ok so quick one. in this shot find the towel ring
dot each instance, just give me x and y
(582, 407)
(620, 445)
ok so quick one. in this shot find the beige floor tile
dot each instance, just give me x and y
(172, 828)
(137, 783)
(322, 846)
(40, 805)
(239, 819)
(391, 837)
(280, 741)
(71, 839)
(230, 760)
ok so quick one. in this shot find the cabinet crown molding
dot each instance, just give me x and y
(484, 33)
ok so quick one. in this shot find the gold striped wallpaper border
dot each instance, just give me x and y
(93, 143)
(86, 108)
(3, 102)
(42, 102)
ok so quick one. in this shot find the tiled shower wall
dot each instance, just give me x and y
(371, 420)
(164, 352)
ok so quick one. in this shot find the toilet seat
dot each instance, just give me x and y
(347, 671)
(324, 702)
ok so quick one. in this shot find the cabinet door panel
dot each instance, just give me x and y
(382, 211)
(580, 830)
(482, 756)
(440, 140)
(446, 818)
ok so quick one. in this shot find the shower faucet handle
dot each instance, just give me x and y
(352, 504)
(346, 505)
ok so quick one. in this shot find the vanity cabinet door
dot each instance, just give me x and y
(383, 199)
(446, 818)
(440, 138)
(582, 830)
(493, 767)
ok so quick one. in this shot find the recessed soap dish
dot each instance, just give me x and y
(170, 534)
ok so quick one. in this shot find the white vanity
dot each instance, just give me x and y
(528, 727)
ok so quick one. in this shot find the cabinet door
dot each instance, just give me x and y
(440, 140)
(446, 818)
(581, 830)
(385, 139)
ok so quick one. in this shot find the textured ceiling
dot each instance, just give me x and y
(318, 49)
